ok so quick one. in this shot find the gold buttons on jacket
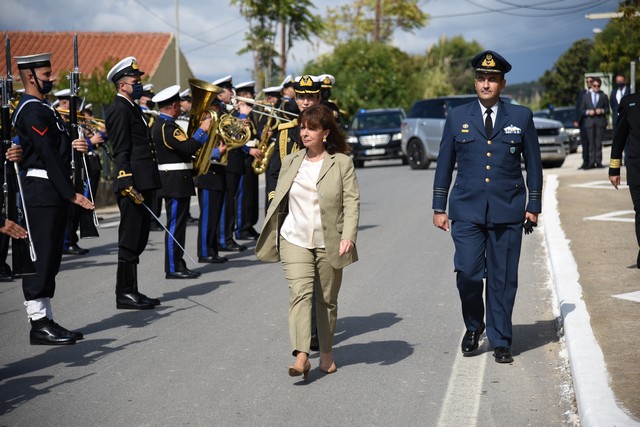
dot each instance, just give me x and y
(488, 167)
(489, 142)
(488, 154)
(487, 180)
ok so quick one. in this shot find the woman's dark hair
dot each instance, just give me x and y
(320, 117)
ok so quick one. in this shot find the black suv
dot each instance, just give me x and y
(375, 135)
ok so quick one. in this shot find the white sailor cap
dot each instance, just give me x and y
(55, 103)
(272, 91)
(127, 67)
(185, 94)
(224, 82)
(33, 61)
(89, 106)
(248, 86)
(306, 84)
(326, 80)
(167, 96)
(288, 81)
(64, 93)
(147, 90)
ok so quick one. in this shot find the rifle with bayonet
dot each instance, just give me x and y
(23, 251)
(88, 221)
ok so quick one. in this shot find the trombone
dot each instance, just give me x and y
(267, 109)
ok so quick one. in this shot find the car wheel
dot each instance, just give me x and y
(416, 155)
(358, 163)
(553, 164)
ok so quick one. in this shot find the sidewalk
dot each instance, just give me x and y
(598, 224)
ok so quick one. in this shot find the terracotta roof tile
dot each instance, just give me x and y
(94, 49)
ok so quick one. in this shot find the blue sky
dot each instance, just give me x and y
(531, 34)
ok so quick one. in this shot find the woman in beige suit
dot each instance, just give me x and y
(311, 226)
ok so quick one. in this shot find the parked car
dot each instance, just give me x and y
(569, 118)
(375, 135)
(423, 127)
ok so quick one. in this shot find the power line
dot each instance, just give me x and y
(487, 10)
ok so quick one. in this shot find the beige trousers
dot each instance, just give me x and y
(303, 268)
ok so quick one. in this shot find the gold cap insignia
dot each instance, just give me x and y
(488, 61)
(134, 64)
(306, 81)
(326, 81)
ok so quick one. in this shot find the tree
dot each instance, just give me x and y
(619, 42)
(292, 17)
(565, 78)
(373, 20)
(390, 79)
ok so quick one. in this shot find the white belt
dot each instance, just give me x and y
(253, 143)
(175, 166)
(38, 173)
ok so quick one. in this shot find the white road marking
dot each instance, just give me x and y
(613, 216)
(462, 399)
(599, 185)
(631, 296)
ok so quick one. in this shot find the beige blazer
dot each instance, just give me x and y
(339, 198)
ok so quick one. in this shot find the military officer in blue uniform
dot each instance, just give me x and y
(488, 204)
(175, 150)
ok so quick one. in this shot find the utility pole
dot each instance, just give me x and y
(177, 43)
(378, 18)
(283, 53)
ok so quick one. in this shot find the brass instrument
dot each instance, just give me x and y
(265, 109)
(259, 166)
(224, 129)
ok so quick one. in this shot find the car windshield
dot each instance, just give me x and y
(377, 121)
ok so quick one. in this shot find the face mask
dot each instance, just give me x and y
(136, 90)
(46, 85)
(620, 85)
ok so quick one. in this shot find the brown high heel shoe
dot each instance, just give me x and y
(296, 371)
(329, 368)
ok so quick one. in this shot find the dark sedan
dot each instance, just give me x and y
(375, 135)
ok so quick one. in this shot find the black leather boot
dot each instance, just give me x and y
(154, 301)
(126, 296)
(46, 332)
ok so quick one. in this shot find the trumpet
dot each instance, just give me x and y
(267, 109)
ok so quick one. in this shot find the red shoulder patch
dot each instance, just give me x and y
(41, 133)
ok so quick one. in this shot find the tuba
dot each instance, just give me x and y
(224, 129)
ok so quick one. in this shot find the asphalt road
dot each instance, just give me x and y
(216, 351)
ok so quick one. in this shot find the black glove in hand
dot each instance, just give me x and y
(528, 226)
(134, 194)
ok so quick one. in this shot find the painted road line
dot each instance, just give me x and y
(631, 296)
(616, 216)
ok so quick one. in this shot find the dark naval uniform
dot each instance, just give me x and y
(248, 210)
(627, 138)
(287, 141)
(175, 151)
(487, 203)
(47, 188)
(135, 158)
(211, 188)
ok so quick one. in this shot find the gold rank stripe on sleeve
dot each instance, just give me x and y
(615, 163)
(123, 174)
(271, 195)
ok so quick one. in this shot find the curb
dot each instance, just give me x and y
(596, 401)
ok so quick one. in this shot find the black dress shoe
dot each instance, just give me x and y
(77, 335)
(45, 332)
(250, 234)
(584, 166)
(638, 260)
(315, 344)
(233, 246)
(6, 276)
(132, 302)
(502, 355)
(470, 340)
(143, 297)
(191, 220)
(213, 259)
(598, 166)
(74, 249)
(187, 274)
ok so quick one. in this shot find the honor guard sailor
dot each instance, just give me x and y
(48, 190)
(136, 162)
(175, 151)
(488, 204)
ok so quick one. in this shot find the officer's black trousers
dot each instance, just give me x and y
(228, 218)
(133, 232)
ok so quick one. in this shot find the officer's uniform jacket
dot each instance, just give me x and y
(287, 141)
(133, 150)
(339, 199)
(175, 150)
(489, 186)
(627, 138)
(46, 146)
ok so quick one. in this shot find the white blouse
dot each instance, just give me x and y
(303, 225)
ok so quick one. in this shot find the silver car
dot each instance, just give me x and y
(422, 131)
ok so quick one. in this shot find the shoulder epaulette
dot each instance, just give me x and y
(293, 123)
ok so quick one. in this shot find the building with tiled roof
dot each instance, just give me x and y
(155, 53)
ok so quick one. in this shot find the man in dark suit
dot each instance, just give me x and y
(586, 163)
(135, 158)
(621, 90)
(175, 150)
(594, 108)
(627, 137)
(488, 203)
